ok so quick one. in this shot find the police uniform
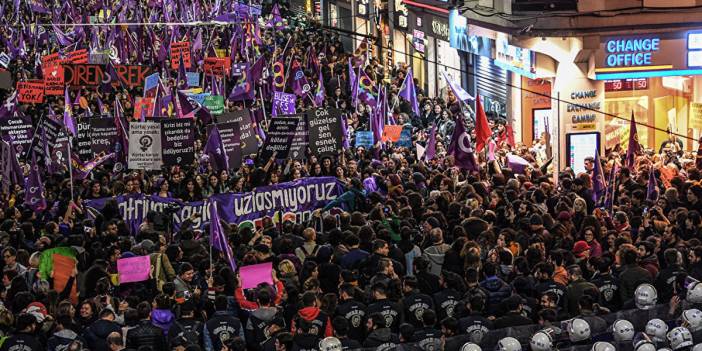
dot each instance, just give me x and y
(446, 302)
(355, 313)
(414, 306)
(389, 310)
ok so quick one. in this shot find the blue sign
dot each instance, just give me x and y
(193, 79)
(631, 52)
(405, 137)
(364, 138)
(151, 82)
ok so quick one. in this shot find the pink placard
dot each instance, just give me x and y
(255, 274)
(134, 269)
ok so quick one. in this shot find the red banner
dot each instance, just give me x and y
(50, 60)
(78, 56)
(219, 67)
(30, 92)
(178, 49)
(53, 80)
(94, 75)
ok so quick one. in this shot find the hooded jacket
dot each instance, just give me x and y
(435, 254)
(256, 326)
(62, 339)
(382, 339)
(96, 334)
(497, 291)
(318, 318)
(162, 319)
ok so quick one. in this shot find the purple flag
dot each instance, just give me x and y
(634, 147)
(243, 87)
(183, 107)
(517, 164)
(611, 188)
(353, 83)
(345, 132)
(122, 144)
(598, 182)
(409, 93)
(652, 187)
(298, 81)
(430, 151)
(34, 190)
(182, 75)
(68, 113)
(276, 20)
(461, 148)
(367, 92)
(82, 170)
(321, 93)
(215, 150)
(217, 238)
(256, 70)
(457, 90)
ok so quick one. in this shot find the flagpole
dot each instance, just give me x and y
(263, 106)
(31, 145)
(70, 163)
(211, 269)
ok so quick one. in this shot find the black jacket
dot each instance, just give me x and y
(146, 334)
(61, 340)
(630, 278)
(22, 342)
(222, 326)
(382, 339)
(96, 334)
(667, 280)
(354, 312)
(511, 319)
(188, 328)
(415, 303)
(390, 310)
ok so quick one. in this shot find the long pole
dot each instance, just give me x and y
(212, 203)
(263, 106)
(70, 163)
(34, 135)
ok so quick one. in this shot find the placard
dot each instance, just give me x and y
(47, 132)
(50, 60)
(405, 137)
(193, 79)
(218, 67)
(255, 274)
(178, 141)
(30, 92)
(364, 138)
(145, 151)
(78, 56)
(63, 269)
(85, 144)
(20, 129)
(391, 133)
(134, 269)
(53, 80)
(230, 133)
(179, 49)
(283, 103)
(215, 104)
(300, 142)
(281, 132)
(143, 105)
(247, 136)
(4, 60)
(151, 82)
(103, 135)
(325, 131)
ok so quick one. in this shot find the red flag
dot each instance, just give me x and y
(482, 129)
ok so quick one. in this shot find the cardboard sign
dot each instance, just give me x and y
(134, 269)
(364, 138)
(325, 131)
(145, 146)
(218, 67)
(95, 75)
(143, 106)
(405, 138)
(391, 133)
(103, 135)
(179, 49)
(50, 60)
(178, 141)
(283, 102)
(255, 274)
(78, 56)
(247, 137)
(53, 80)
(193, 79)
(30, 92)
(279, 138)
(63, 269)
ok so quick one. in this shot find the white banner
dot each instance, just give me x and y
(145, 146)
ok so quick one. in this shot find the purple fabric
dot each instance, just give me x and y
(409, 92)
(217, 238)
(215, 150)
(461, 148)
(34, 192)
(598, 182)
(68, 114)
(634, 147)
(652, 187)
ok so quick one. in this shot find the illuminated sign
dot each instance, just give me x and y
(645, 56)
(513, 58)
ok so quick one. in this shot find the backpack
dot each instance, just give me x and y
(310, 255)
(190, 333)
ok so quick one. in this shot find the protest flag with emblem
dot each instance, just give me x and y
(321, 93)
(430, 151)
(367, 92)
(409, 92)
(298, 81)
(68, 120)
(214, 149)
(278, 81)
(461, 149)
(217, 238)
(34, 192)
(457, 90)
(82, 170)
(634, 147)
(243, 88)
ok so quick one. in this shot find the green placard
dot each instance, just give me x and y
(215, 104)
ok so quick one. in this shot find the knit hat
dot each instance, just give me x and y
(580, 247)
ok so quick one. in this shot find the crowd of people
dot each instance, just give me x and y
(415, 254)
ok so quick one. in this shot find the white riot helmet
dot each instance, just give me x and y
(645, 296)
(541, 341)
(656, 329)
(691, 319)
(623, 330)
(508, 344)
(578, 330)
(679, 337)
(694, 293)
(603, 346)
(697, 347)
(469, 346)
(644, 345)
(330, 343)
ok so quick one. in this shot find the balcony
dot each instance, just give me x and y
(544, 5)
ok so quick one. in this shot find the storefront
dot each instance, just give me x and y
(341, 16)
(361, 22)
(655, 76)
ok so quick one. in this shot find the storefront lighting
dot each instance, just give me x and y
(649, 74)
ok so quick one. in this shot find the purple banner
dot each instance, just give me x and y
(293, 200)
(231, 139)
(283, 102)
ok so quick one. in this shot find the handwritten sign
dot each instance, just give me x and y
(30, 92)
(364, 138)
(392, 133)
(134, 269)
(179, 49)
(78, 56)
(53, 80)
(219, 67)
(255, 274)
